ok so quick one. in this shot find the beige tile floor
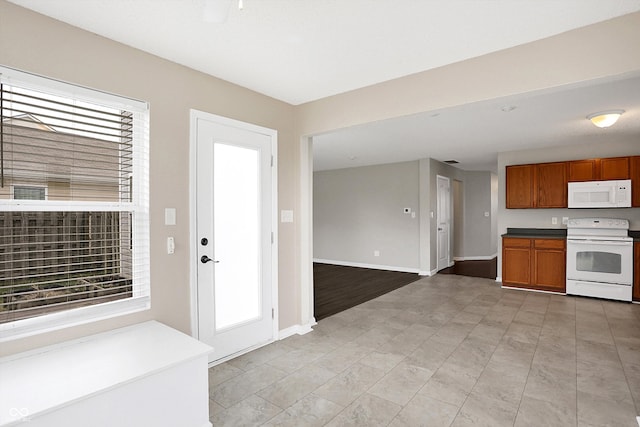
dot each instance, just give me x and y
(444, 351)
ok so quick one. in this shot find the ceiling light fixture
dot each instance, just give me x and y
(604, 119)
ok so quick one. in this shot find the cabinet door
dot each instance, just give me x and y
(519, 186)
(551, 185)
(635, 181)
(584, 170)
(516, 262)
(614, 168)
(549, 271)
(636, 269)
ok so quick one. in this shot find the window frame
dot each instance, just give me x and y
(138, 206)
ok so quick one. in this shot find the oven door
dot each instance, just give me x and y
(600, 261)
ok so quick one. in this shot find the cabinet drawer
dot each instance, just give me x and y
(516, 242)
(549, 243)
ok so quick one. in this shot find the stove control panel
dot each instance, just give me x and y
(608, 223)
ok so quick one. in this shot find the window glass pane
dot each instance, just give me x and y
(82, 151)
(29, 193)
(59, 260)
(599, 262)
(237, 240)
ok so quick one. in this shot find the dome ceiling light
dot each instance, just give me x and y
(604, 119)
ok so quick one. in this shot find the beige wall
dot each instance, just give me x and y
(38, 44)
(357, 211)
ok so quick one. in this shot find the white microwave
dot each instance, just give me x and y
(600, 194)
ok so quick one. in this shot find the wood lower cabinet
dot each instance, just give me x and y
(516, 261)
(534, 263)
(549, 264)
(636, 271)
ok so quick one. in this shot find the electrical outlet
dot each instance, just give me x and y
(376, 253)
(554, 220)
(565, 220)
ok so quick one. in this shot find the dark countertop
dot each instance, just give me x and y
(551, 233)
(532, 233)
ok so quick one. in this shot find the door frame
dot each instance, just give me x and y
(450, 210)
(194, 116)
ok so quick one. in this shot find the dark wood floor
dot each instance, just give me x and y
(486, 269)
(337, 288)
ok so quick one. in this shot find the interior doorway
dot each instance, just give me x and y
(443, 219)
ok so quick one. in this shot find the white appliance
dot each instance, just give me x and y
(600, 194)
(599, 258)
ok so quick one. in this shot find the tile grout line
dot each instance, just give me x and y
(531, 363)
(626, 377)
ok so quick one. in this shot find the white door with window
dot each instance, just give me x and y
(443, 221)
(234, 206)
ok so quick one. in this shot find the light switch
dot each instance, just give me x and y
(169, 216)
(286, 216)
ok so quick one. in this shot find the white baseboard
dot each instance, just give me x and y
(363, 265)
(533, 290)
(427, 273)
(295, 330)
(475, 258)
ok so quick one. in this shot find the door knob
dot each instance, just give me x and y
(205, 259)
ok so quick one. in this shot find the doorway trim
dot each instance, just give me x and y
(449, 219)
(194, 115)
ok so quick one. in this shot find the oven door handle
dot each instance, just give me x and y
(598, 242)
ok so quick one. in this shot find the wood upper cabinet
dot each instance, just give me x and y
(520, 186)
(549, 264)
(534, 263)
(614, 168)
(636, 271)
(584, 170)
(599, 169)
(551, 185)
(635, 181)
(542, 185)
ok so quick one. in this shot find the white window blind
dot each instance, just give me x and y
(82, 252)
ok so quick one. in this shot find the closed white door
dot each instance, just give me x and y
(443, 221)
(234, 214)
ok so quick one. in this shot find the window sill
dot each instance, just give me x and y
(65, 319)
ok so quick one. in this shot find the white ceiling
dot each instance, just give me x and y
(302, 50)
(474, 134)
